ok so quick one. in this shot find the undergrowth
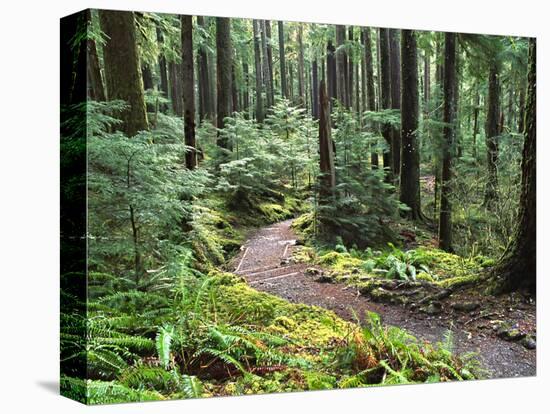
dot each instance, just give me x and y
(214, 335)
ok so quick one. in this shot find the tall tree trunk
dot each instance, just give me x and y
(258, 75)
(96, 91)
(282, 59)
(476, 123)
(331, 74)
(491, 134)
(315, 89)
(176, 94)
(326, 154)
(363, 72)
(265, 67)
(163, 69)
(395, 66)
(517, 268)
(427, 82)
(449, 111)
(147, 76)
(410, 157)
(224, 63)
(204, 84)
(270, 60)
(188, 89)
(246, 93)
(122, 68)
(234, 91)
(301, 80)
(341, 65)
(349, 81)
(370, 91)
(385, 97)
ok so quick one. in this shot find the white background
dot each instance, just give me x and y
(29, 187)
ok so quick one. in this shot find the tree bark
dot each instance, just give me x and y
(410, 168)
(370, 91)
(427, 82)
(395, 66)
(449, 111)
(282, 59)
(188, 89)
(265, 67)
(385, 98)
(163, 69)
(246, 92)
(301, 80)
(350, 68)
(176, 94)
(331, 74)
(206, 109)
(315, 89)
(270, 59)
(96, 90)
(258, 69)
(476, 124)
(122, 68)
(326, 154)
(517, 269)
(224, 63)
(341, 66)
(491, 134)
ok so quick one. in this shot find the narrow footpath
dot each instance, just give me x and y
(264, 263)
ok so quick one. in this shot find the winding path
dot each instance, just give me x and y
(264, 263)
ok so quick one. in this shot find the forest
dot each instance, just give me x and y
(253, 206)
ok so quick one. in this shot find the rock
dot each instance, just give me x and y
(382, 295)
(433, 308)
(436, 296)
(465, 306)
(528, 342)
(504, 331)
(324, 279)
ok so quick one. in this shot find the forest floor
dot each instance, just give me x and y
(265, 262)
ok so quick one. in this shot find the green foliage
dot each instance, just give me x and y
(363, 201)
(380, 354)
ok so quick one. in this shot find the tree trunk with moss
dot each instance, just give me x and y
(122, 68)
(395, 71)
(206, 109)
(491, 135)
(301, 77)
(370, 90)
(449, 112)
(326, 154)
(331, 74)
(188, 88)
(409, 193)
(163, 69)
(268, 79)
(96, 90)
(258, 74)
(224, 64)
(341, 67)
(282, 59)
(517, 269)
(385, 97)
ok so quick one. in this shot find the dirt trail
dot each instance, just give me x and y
(263, 262)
